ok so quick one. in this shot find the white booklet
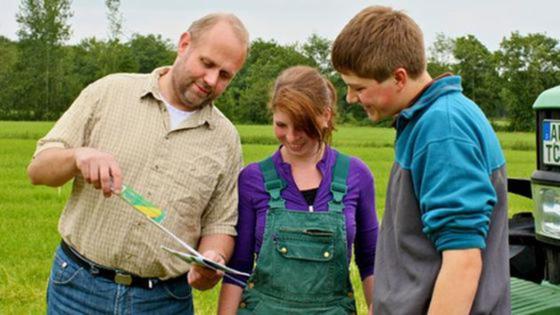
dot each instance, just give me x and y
(156, 216)
(203, 261)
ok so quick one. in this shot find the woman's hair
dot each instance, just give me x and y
(305, 95)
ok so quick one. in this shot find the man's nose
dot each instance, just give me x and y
(351, 97)
(211, 77)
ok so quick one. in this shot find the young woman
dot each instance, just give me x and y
(301, 211)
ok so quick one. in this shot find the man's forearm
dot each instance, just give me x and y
(457, 282)
(52, 167)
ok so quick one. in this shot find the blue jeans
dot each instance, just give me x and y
(74, 290)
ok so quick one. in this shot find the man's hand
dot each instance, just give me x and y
(99, 169)
(202, 278)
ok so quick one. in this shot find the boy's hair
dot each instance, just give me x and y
(304, 95)
(376, 42)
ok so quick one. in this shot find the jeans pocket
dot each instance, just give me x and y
(179, 290)
(64, 270)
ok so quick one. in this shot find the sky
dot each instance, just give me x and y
(294, 21)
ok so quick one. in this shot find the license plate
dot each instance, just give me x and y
(551, 142)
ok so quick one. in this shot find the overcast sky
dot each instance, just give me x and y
(290, 21)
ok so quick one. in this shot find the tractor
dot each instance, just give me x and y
(534, 237)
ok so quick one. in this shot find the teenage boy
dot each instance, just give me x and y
(443, 246)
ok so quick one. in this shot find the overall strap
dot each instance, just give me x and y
(273, 184)
(338, 184)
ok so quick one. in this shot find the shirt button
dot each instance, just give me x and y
(242, 305)
(283, 250)
(251, 285)
(327, 254)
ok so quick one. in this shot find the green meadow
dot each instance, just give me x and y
(29, 214)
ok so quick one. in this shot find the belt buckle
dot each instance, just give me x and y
(122, 278)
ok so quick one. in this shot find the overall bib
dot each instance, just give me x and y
(302, 267)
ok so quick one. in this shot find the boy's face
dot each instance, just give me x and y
(379, 99)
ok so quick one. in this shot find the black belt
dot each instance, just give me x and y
(119, 277)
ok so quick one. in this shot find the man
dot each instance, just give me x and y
(161, 135)
(443, 243)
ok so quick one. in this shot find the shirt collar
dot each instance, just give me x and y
(439, 86)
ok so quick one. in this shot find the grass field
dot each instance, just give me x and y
(29, 215)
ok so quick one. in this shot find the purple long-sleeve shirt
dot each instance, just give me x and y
(359, 211)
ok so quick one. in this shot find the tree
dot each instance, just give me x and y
(440, 55)
(528, 65)
(318, 49)
(43, 28)
(115, 19)
(476, 65)
(247, 97)
(151, 51)
(9, 56)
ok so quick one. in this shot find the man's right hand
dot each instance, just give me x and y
(99, 169)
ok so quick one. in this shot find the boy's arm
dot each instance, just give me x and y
(457, 282)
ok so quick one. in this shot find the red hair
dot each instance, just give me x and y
(305, 95)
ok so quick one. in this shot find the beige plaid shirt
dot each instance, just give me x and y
(191, 172)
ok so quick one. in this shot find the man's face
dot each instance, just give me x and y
(203, 69)
(379, 99)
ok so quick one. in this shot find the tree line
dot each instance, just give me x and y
(41, 74)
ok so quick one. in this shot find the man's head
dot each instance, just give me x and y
(379, 53)
(210, 54)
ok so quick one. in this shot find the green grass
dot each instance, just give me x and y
(29, 214)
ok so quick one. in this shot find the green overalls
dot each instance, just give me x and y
(302, 267)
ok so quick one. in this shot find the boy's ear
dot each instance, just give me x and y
(401, 77)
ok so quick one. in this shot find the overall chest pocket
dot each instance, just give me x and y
(304, 261)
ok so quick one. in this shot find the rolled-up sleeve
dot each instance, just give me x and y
(74, 126)
(455, 193)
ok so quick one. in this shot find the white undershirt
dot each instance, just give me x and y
(176, 116)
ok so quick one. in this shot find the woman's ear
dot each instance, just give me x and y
(327, 116)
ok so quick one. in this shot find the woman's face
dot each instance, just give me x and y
(296, 142)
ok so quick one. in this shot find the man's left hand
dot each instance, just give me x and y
(202, 278)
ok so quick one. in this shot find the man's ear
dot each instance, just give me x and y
(184, 42)
(401, 77)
